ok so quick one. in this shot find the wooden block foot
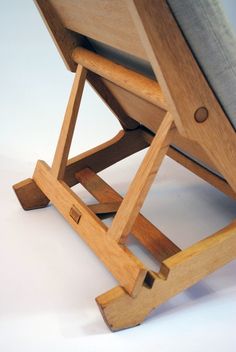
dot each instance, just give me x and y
(119, 310)
(30, 195)
(177, 273)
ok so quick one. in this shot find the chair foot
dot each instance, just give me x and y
(120, 310)
(177, 273)
(30, 195)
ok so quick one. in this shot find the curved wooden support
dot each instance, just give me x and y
(30, 195)
(124, 144)
(177, 273)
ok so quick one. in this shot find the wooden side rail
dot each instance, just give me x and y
(140, 289)
(185, 88)
(177, 273)
(134, 82)
(143, 230)
(125, 269)
(126, 143)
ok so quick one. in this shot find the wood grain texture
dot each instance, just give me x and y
(106, 21)
(143, 230)
(124, 144)
(147, 30)
(139, 187)
(178, 272)
(144, 112)
(194, 166)
(129, 142)
(104, 208)
(183, 84)
(132, 81)
(199, 170)
(64, 39)
(68, 126)
(67, 39)
(30, 195)
(129, 274)
(151, 116)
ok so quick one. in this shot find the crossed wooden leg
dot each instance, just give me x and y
(177, 273)
(140, 289)
(30, 195)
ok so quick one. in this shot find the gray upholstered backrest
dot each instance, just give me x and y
(212, 41)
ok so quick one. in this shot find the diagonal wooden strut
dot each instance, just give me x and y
(124, 144)
(179, 272)
(67, 130)
(133, 201)
(168, 52)
(160, 246)
(129, 272)
(105, 208)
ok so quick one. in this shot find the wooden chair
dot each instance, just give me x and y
(176, 114)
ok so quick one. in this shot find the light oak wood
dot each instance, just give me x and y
(129, 142)
(194, 166)
(124, 144)
(151, 116)
(200, 155)
(134, 82)
(146, 113)
(177, 273)
(104, 208)
(161, 107)
(64, 39)
(160, 246)
(130, 275)
(67, 130)
(199, 170)
(30, 195)
(106, 21)
(177, 69)
(133, 201)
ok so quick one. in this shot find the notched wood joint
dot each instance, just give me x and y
(149, 280)
(75, 214)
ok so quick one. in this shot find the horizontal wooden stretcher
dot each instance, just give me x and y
(161, 111)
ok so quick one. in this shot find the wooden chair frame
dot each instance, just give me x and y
(177, 123)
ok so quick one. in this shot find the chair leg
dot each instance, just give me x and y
(67, 130)
(30, 195)
(121, 146)
(27, 191)
(137, 192)
(177, 273)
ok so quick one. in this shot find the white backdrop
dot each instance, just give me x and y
(48, 276)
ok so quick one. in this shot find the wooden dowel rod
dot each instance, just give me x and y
(136, 83)
(143, 230)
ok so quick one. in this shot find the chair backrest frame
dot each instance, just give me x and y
(183, 84)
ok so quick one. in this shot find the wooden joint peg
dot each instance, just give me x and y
(75, 214)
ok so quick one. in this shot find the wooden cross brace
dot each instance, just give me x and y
(140, 289)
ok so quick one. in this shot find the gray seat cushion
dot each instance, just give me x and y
(213, 43)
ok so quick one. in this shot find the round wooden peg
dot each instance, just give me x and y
(201, 114)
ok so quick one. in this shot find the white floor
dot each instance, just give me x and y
(48, 276)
